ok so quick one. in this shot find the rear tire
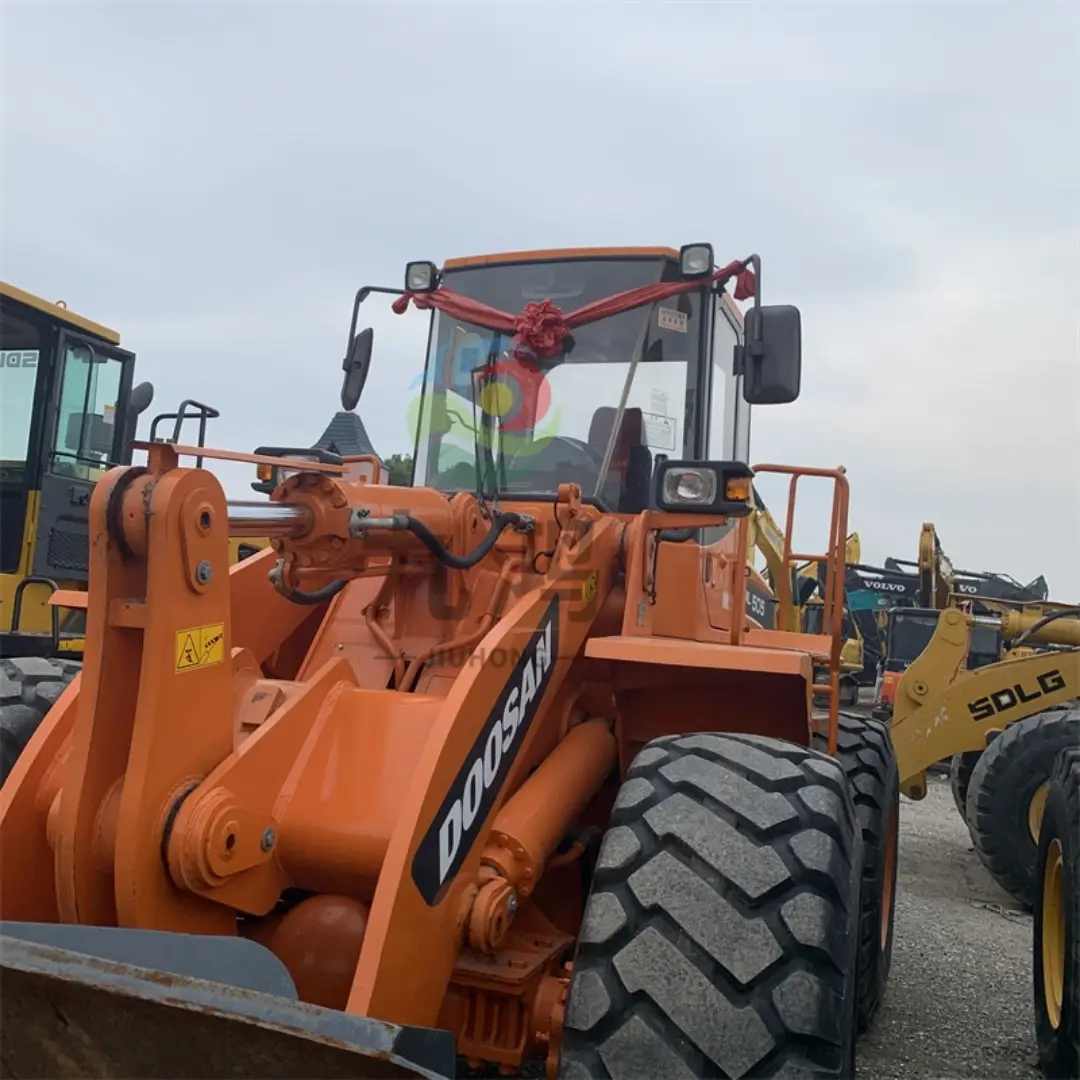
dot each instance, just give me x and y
(1005, 789)
(29, 687)
(865, 751)
(721, 931)
(961, 767)
(1056, 943)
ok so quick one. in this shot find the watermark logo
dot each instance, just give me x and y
(503, 405)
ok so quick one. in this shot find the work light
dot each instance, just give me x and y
(421, 277)
(695, 260)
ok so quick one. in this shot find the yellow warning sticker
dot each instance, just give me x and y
(588, 590)
(200, 646)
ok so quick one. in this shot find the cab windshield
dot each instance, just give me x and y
(499, 425)
(909, 634)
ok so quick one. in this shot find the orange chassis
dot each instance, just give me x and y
(225, 747)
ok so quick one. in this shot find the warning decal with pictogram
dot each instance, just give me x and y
(200, 646)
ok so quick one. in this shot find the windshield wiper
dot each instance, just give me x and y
(484, 427)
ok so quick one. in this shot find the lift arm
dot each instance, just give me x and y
(942, 709)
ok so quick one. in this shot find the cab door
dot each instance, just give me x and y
(85, 437)
(26, 344)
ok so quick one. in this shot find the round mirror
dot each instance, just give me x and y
(141, 397)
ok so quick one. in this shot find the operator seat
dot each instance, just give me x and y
(627, 485)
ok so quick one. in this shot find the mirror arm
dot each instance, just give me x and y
(361, 295)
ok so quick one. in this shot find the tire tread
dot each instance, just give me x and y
(1002, 782)
(718, 937)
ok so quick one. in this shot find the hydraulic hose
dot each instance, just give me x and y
(463, 562)
(298, 596)
(500, 523)
(320, 596)
(522, 522)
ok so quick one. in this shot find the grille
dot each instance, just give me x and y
(69, 550)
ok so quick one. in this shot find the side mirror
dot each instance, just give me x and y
(772, 355)
(355, 366)
(141, 397)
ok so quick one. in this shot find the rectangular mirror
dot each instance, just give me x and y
(773, 355)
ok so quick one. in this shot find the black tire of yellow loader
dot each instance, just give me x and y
(961, 766)
(720, 937)
(1004, 782)
(865, 751)
(1056, 941)
(29, 687)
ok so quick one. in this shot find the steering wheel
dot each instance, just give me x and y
(555, 452)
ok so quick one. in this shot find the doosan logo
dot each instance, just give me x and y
(454, 830)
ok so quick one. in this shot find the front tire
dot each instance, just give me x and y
(1005, 796)
(29, 687)
(1056, 943)
(961, 766)
(865, 751)
(721, 931)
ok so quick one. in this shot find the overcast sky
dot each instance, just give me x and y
(215, 181)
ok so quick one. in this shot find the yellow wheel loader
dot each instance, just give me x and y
(926, 587)
(68, 412)
(1016, 714)
(1056, 939)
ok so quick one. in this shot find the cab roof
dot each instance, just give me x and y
(551, 254)
(59, 311)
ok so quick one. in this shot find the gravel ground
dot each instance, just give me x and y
(958, 1003)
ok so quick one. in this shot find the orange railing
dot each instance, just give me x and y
(834, 560)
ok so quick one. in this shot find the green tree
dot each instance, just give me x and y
(400, 466)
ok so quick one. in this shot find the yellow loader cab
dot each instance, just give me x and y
(67, 413)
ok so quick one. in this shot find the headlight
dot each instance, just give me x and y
(269, 476)
(282, 472)
(703, 487)
(421, 277)
(695, 260)
(690, 486)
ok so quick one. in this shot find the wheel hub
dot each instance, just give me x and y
(1035, 810)
(1053, 933)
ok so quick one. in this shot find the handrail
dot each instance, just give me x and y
(834, 560)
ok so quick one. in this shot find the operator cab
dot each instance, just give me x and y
(910, 631)
(64, 414)
(624, 392)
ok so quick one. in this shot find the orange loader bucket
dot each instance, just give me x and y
(74, 1004)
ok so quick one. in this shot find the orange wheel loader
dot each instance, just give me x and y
(499, 767)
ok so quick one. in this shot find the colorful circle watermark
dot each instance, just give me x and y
(501, 404)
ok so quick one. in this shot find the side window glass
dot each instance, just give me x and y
(723, 399)
(86, 421)
(20, 356)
